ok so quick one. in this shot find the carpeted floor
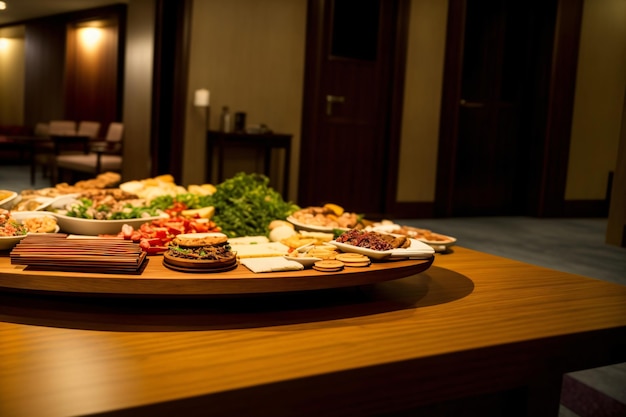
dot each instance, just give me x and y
(571, 245)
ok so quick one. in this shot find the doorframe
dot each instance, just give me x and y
(546, 193)
(169, 89)
(315, 42)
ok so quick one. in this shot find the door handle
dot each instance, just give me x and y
(330, 100)
(471, 104)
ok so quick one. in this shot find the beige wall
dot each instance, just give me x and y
(600, 88)
(11, 80)
(423, 84)
(250, 55)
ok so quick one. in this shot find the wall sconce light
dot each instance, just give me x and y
(202, 99)
(90, 36)
(3, 5)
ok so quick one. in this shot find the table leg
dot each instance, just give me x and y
(33, 162)
(220, 160)
(267, 162)
(286, 172)
(208, 175)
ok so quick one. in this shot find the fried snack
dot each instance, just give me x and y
(104, 180)
(322, 252)
(297, 240)
(303, 238)
(396, 241)
(43, 224)
(326, 217)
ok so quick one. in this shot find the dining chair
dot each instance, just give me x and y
(104, 155)
(45, 150)
(42, 129)
(62, 127)
(89, 129)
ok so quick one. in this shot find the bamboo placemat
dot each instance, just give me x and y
(54, 252)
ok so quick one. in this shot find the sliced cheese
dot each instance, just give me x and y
(248, 240)
(260, 250)
(271, 264)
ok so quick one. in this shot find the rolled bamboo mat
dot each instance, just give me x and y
(55, 252)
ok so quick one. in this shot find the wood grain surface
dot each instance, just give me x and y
(474, 330)
(157, 279)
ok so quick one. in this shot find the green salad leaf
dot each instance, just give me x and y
(245, 205)
(190, 200)
(84, 209)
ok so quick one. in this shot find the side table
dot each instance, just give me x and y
(266, 141)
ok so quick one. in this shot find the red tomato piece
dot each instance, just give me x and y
(160, 232)
(155, 249)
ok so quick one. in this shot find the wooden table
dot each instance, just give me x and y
(487, 334)
(28, 144)
(265, 141)
(53, 144)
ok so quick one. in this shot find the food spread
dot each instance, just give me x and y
(330, 216)
(9, 226)
(248, 218)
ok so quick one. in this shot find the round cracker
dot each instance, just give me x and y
(352, 257)
(327, 269)
(357, 264)
(328, 265)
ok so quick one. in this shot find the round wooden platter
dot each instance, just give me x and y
(158, 280)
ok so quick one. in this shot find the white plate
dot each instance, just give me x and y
(7, 242)
(438, 245)
(392, 228)
(40, 203)
(307, 261)
(21, 215)
(312, 227)
(78, 226)
(59, 202)
(417, 250)
(7, 202)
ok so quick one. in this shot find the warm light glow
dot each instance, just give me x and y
(3, 5)
(90, 36)
(4, 43)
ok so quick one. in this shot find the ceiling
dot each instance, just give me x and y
(20, 10)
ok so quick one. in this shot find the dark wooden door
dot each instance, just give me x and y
(346, 139)
(507, 105)
(490, 164)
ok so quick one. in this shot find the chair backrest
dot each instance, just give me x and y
(62, 127)
(90, 129)
(42, 129)
(115, 132)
